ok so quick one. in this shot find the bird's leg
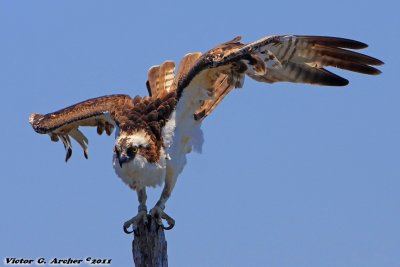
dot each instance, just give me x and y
(158, 211)
(142, 212)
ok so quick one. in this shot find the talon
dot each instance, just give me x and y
(170, 221)
(169, 227)
(126, 226)
(142, 215)
(158, 214)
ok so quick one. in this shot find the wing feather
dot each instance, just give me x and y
(153, 76)
(81, 139)
(160, 79)
(104, 112)
(166, 76)
(279, 58)
(185, 66)
(222, 88)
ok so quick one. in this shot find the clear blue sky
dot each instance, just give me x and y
(304, 176)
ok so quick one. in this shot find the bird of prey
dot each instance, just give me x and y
(155, 132)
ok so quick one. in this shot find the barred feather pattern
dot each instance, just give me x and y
(177, 104)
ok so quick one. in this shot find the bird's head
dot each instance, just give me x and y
(130, 146)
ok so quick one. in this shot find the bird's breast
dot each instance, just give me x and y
(139, 173)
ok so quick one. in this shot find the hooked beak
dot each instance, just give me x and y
(122, 159)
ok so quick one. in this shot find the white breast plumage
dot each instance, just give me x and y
(139, 173)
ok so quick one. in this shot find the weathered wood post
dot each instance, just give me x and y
(149, 247)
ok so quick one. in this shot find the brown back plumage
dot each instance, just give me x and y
(150, 114)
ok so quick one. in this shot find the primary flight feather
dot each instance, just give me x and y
(155, 132)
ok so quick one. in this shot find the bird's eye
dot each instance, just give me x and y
(132, 151)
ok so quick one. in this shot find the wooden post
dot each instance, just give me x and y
(149, 247)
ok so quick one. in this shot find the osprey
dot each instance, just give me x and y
(154, 133)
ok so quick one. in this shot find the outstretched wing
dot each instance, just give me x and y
(104, 112)
(285, 58)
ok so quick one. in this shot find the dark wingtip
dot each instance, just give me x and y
(374, 61)
(342, 82)
(325, 77)
(337, 82)
(335, 41)
(361, 68)
(378, 62)
(374, 71)
(68, 155)
(355, 44)
(331, 79)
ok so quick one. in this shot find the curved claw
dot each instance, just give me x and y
(169, 227)
(142, 215)
(158, 214)
(170, 221)
(126, 226)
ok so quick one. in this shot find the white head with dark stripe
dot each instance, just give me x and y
(135, 145)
